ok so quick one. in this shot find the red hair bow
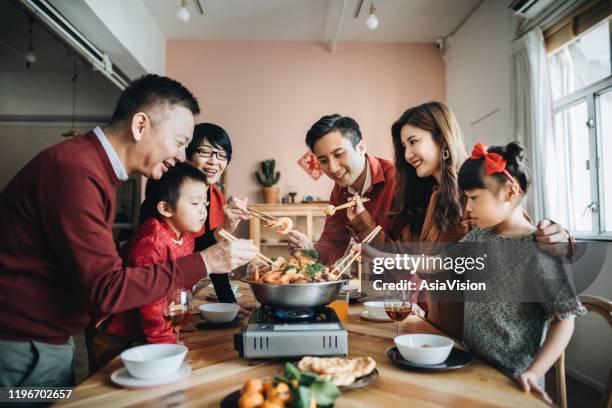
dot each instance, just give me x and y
(494, 163)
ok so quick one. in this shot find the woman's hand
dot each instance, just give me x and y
(355, 210)
(528, 381)
(553, 238)
(234, 211)
(298, 241)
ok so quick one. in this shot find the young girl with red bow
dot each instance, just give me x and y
(508, 331)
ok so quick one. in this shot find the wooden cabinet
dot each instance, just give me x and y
(308, 218)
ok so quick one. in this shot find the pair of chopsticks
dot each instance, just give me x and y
(348, 260)
(230, 237)
(351, 203)
(261, 215)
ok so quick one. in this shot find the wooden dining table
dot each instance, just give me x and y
(217, 371)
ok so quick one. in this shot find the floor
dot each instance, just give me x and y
(578, 394)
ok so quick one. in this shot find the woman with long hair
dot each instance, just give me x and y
(429, 210)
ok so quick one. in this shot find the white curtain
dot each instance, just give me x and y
(533, 126)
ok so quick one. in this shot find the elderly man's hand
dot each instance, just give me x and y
(228, 255)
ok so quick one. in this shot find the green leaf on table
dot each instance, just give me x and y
(292, 371)
(325, 392)
(308, 378)
(304, 395)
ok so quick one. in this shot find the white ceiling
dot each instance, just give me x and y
(311, 20)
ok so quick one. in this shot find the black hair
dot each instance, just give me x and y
(216, 136)
(472, 173)
(348, 127)
(150, 91)
(167, 189)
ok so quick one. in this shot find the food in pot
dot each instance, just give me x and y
(301, 269)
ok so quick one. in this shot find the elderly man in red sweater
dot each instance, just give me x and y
(336, 141)
(58, 261)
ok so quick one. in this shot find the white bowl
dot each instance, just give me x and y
(436, 350)
(234, 286)
(219, 312)
(376, 309)
(351, 287)
(153, 360)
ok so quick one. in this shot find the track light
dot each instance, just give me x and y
(372, 20)
(183, 13)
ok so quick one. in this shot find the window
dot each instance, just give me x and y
(581, 80)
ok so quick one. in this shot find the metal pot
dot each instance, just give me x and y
(296, 295)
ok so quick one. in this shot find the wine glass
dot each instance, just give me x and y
(177, 310)
(398, 307)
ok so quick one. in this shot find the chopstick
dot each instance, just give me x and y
(351, 203)
(261, 215)
(230, 237)
(352, 256)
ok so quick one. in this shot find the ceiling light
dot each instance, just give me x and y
(183, 13)
(29, 56)
(372, 20)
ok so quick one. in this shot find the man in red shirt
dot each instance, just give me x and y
(336, 141)
(58, 261)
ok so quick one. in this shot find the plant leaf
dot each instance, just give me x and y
(325, 392)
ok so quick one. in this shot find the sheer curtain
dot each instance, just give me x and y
(533, 125)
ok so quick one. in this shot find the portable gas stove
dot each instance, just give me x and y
(278, 333)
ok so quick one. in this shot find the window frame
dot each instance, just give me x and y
(590, 95)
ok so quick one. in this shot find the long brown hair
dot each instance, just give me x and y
(413, 192)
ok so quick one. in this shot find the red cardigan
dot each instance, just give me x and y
(215, 207)
(58, 261)
(337, 231)
(153, 242)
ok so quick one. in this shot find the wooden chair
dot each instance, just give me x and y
(604, 308)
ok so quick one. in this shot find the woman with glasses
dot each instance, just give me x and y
(210, 151)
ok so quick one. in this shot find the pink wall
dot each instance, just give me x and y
(267, 95)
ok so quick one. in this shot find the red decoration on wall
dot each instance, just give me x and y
(311, 165)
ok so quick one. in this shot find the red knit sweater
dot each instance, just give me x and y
(337, 232)
(58, 261)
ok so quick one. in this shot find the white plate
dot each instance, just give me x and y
(366, 316)
(122, 378)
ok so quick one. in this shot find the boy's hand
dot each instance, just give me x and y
(528, 381)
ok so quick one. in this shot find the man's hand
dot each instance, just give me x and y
(228, 255)
(355, 210)
(247, 307)
(528, 381)
(298, 241)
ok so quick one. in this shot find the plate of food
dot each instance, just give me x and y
(292, 388)
(346, 373)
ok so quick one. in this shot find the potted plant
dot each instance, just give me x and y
(268, 178)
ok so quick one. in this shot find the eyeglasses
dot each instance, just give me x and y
(207, 154)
